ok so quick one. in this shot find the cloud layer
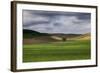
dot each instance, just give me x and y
(57, 22)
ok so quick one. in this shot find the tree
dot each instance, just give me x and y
(63, 39)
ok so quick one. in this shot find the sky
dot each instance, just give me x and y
(56, 21)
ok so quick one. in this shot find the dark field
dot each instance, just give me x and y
(57, 51)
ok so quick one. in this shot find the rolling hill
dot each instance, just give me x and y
(31, 37)
(30, 33)
(86, 36)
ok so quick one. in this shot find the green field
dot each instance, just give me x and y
(57, 51)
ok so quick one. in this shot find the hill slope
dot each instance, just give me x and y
(86, 36)
(30, 33)
(31, 37)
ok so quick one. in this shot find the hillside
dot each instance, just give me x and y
(66, 36)
(31, 37)
(86, 36)
(30, 33)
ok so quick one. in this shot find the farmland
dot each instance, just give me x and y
(57, 51)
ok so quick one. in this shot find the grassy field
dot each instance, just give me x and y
(57, 51)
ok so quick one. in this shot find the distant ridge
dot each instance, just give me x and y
(86, 36)
(31, 36)
(30, 33)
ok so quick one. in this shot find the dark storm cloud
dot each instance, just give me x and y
(84, 16)
(35, 23)
(56, 21)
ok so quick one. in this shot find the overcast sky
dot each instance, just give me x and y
(57, 21)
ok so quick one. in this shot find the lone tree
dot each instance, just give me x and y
(64, 38)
